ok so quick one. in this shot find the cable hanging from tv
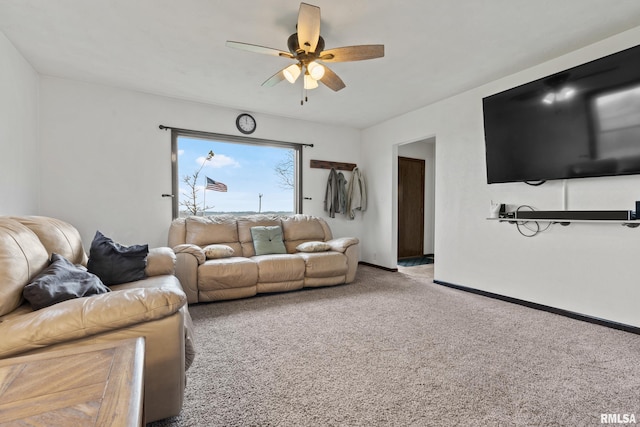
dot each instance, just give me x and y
(525, 225)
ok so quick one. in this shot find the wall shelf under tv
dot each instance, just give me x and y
(633, 223)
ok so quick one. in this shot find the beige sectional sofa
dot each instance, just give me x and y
(154, 308)
(311, 258)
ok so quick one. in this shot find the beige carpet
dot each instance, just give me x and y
(424, 271)
(394, 349)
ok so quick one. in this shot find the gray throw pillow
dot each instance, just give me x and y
(61, 281)
(268, 240)
(114, 263)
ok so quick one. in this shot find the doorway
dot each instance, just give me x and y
(416, 162)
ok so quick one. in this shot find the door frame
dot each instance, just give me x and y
(431, 190)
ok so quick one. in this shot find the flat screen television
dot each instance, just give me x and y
(581, 122)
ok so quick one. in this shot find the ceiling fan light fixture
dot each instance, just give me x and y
(306, 48)
(291, 73)
(310, 82)
(315, 70)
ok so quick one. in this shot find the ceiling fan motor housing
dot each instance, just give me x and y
(294, 46)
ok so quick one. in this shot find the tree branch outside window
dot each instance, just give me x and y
(191, 202)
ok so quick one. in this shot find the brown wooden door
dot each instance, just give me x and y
(410, 207)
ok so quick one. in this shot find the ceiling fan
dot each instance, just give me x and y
(306, 47)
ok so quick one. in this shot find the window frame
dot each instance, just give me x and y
(212, 136)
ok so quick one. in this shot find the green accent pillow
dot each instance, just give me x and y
(268, 240)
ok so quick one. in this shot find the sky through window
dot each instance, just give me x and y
(248, 171)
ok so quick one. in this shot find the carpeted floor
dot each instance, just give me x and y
(394, 349)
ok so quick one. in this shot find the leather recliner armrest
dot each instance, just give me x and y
(194, 250)
(160, 261)
(341, 244)
(83, 317)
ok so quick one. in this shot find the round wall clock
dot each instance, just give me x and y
(246, 123)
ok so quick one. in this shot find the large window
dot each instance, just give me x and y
(222, 174)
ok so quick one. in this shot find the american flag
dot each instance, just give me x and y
(216, 185)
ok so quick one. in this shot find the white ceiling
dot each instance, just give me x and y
(433, 48)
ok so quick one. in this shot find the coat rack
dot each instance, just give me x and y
(325, 164)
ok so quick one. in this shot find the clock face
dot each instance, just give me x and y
(246, 123)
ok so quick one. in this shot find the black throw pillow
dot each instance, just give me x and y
(61, 281)
(114, 263)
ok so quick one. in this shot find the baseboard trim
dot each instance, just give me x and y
(554, 310)
(393, 270)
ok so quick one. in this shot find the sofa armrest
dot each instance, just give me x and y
(343, 243)
(188, 258)
(160, 261)
(194, 250)
(83, 317)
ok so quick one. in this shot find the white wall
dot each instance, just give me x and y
(425, 150)
(586, 268)
(19, 156)
(106, 162)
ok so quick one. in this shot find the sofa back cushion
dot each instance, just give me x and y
(22, 257)
(204, 231)
(56, 236)
(299, 229)
(177, 232)
(244, 230)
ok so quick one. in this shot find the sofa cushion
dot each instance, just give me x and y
(61, 281)
(299, 229)
(177, 232)
(22, 257)
(218, 251)
(225, 273)
(279, 268)
(302, 227)
(114, 263)
(203, 231)
(313, 247)
(56, 236)
(268, 240)
(324, 264)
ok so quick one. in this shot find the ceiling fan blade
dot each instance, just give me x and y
(353, 53)
(331, 80)
(308, 27)
(258, 49)
(275, 79)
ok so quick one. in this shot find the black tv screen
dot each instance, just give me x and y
(581, 122)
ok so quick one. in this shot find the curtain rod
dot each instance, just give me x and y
(234, 138)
